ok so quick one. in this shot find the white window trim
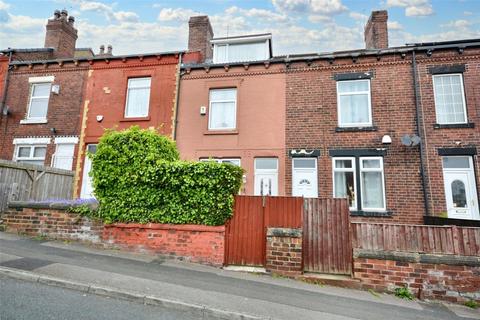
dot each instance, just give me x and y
(33, 120)
(381, 169)
(470, 163)
(210, 109)
(463, 97)
(362, 124)
(354, 170)
(128, 93)
(16, 158)
(41, 79)
(66, 140)
(227, 49)
(31, 141)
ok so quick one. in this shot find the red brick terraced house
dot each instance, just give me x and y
(387, 128)
(42, 99)
(232, 107)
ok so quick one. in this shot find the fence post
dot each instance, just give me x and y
(456, 244)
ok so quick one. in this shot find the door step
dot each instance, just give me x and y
(245, 269)
(336, 280)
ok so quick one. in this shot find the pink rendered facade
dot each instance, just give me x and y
(258, 130)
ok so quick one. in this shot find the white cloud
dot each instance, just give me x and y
(4, 5)
(264, 15)
(326, 7)
(315, 18)
(460, 24)
(108, 11)
(467, 13)
(394, 25)
(177, 14)
(358, 16)
(413, 8)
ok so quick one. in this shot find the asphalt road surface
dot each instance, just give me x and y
(21, 300)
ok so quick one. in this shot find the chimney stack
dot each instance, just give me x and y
(376, 30)
(61, 34)
(199, 35)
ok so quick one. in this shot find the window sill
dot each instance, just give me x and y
(454, 125)
(361, 213)
(355, 129)
(133, 119)
(221, 132)
(33, 121)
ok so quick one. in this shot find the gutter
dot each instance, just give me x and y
(419, 132)
(5, 84)
(177, 97)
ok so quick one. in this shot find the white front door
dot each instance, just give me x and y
(87, 186)
(460, 188)
(304, 177)
(266, 177)
(63, 158)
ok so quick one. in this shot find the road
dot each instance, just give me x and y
(34, 301)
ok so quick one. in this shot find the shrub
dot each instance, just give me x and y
(404, 293)
(138, 178)
(472, 304)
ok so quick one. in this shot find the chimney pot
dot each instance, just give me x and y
(64, 14)
(109, 49)
(71, 20)
(56, 14)
(102, 49)
(199, 35)
(376, 30)
(61, 35)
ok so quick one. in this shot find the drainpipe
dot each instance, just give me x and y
(419, 132)
(5, 84)
(177, 90)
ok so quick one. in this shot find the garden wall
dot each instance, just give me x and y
(195, 243)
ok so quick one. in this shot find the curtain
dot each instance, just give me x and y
(247, 52)
(222, 115)
(138, 102)
(372, 186)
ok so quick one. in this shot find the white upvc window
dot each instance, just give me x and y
(34, 154)
(449, 95)
(38, 102)
(223, 109)
(138, 97)
(238, 52)
(354, 103)
(345, 180)
(372, 184)
(234, 161)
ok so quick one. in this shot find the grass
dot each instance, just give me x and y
(472, 304)
(404, 293)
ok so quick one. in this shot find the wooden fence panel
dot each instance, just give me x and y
(21, 181)
(417, 238)
(327, 245)
(283, 212)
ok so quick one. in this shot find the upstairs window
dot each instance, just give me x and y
(31, 154)
(138, 97)
(222, 110)
(354, 105)
(449, 99)
(238, 49)
(38, 104)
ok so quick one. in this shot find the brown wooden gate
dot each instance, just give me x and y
(327, 245)
(246, 231)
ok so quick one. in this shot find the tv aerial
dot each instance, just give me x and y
(410, 141)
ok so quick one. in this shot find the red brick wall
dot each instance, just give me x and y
(52, 223)
(64, 109)
(312, 118)
(434, 281)
(448, 137)
(376, 30)
(195, 243)
(284, 252)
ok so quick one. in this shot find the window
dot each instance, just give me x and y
(138, 97)
(354, 106)
(449, 99)
(344, 181)
(244, 48)
(38, 104)
(34, 154)
(369, 195)
(222, 111)
(234, 161)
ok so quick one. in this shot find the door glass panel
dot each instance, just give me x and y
(304, 163)
(456, 162)
(459, 194)
(266, 164)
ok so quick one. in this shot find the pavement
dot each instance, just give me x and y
(206, 292)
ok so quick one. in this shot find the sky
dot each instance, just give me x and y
(297, 26)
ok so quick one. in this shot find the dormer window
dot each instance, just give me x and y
(243, 48)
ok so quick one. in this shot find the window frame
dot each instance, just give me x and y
(128, 95)
(210, 101)
(227, 45)
(382, 170)
(339, 106)
(31, 157)
(354, 170)
(223, 160)
(434, 76)
(265, 170)
(31, 98)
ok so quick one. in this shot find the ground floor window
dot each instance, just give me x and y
(234, 161)
(369, 193)
(34, 154)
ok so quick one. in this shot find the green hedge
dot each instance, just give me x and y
(137, 178)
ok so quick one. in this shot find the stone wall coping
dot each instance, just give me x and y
(54, 204)
(284, 232)
(413, 257)
(160, 226)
